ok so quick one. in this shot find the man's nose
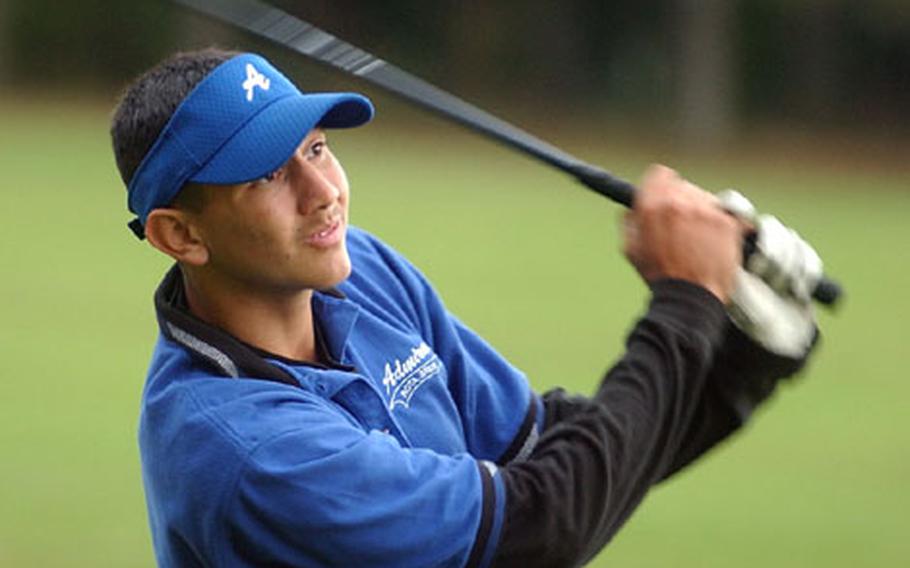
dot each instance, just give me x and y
(314, 189)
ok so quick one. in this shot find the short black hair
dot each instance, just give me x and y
(149, 101)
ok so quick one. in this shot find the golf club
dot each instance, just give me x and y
(293, 33)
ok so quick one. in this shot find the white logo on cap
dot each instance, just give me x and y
(254, 79)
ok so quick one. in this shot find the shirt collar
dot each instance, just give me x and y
(229, 356)
(335, 315)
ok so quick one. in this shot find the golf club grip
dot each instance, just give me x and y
(826, 292)
(604, 183)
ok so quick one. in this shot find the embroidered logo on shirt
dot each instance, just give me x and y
(254, 79)
(403, 378)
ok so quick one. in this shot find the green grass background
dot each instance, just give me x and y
(531, 261)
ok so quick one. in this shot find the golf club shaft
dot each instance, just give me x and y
(293, 33)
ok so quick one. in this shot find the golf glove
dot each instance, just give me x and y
(772, 298)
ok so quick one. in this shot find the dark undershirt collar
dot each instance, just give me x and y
(325, 359)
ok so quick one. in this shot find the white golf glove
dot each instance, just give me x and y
(772, 300)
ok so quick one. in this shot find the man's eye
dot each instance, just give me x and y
(317, 148)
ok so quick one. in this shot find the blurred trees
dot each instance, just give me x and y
(706, 70)
(90, 41)
(709, 64)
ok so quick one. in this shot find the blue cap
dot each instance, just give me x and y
(240, 123)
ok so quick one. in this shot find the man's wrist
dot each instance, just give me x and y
(689, 307)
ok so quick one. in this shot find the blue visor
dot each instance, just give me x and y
(240, 123)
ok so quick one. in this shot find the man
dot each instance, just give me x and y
(311, 402)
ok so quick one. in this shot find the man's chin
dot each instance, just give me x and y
(338, 274)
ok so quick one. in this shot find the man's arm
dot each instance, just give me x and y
(742, 375)
(597, 458)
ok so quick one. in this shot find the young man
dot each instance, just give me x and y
(311, 402)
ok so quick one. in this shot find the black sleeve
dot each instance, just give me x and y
(596, 458)
(743, 376)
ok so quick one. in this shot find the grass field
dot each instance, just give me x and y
(818, 479)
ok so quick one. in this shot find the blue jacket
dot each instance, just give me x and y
(387, 456)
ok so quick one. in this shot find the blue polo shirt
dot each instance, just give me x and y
(385, 456)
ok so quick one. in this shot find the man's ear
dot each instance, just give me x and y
(173, 232)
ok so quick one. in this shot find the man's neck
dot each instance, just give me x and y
(278, 323)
